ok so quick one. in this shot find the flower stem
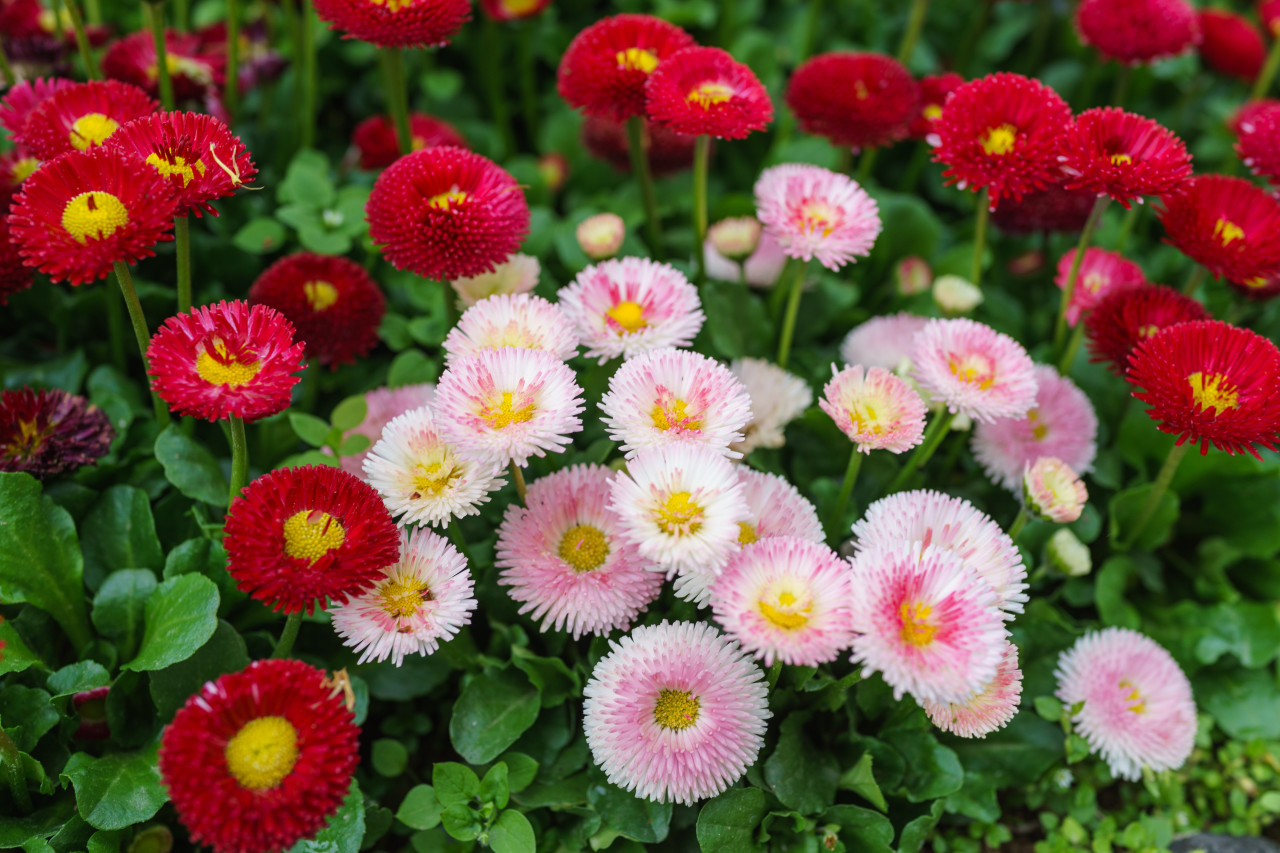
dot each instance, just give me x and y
(980, 236)
(397, 95)
(517, 477)
(774, 671)
(182, 247)
(977, 25)
(1267, 76)
(846, 489)
(810, 30)
(232, 98)
(284, 645)
(494, 60)
(140, 332)
(1126, 226)
(307, 49)
(933, 437)
(1073, 346)
(528, 80)
(6, 70)
(180, 15)
(459, 541)
(154, 17)
(1158, 488)
(82, 40)
(640, 168)
(11, 766)
(866, 163)
(701, 159)
(115, 327)
(1193, 281)
(1121, 88)
(793, 310)
(239, 459)
(1019, 522)
(1068, 291)
(915, 23)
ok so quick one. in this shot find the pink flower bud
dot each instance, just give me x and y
(914, 275)
(600, 236)
(1051, 491)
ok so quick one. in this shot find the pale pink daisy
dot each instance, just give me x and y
(877, 410)
(973, 370)
(509, 403)
(424, 479)
(883, 341)
(1051, 491)
(669, 396)
(517, 274)
(563, 558)
(775, 508)
(1129, 699)
(927, 622)
(516, 320)
(1100, 273)
(988, 710)
(675, 712)
(382, 405)
(816, 213)
(760, 268)
(777, 399)
(1062, 423)
(422, 601)
(628, 306)
(786, 599)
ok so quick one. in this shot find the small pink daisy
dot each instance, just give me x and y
(877, 410)
(564, 559)
(987, 711)
(882, 341)
(516, 320)
(973, 370)
(760, 268)
(1101, 272)
(675, 712)
(777, 398)
(382, 405)
(775, 508)
(1051, 491)
(817, 213)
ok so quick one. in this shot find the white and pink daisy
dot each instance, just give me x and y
(1100, 273)
(777, 399)
(675, 712)
(509, 403)
(516, 320)
(1134, 702)
(877, 410)
(382, 405)
(631, 305)
(517, 274)
(816, 213)
(973, 370)
(786, 599)
(422, 601)
(988, 710)
(883, 341)
(759, 267)
(1051, 491)
(776, 508)
(564, 559)
(669, 396)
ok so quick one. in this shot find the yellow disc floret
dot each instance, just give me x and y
(176, 165)
(402, 596)
(1213, 392)
(917, 629)
(92, 129)
(679, 515)
(310, 534)
(584, 547)
(263, 753)
(636, 59)
(219, 366)
(708, 95)
(503, 410)
(320, 295)
(95, 215)
(784, 609)
(628, 315)
(676, 709)
(1000, 140)
(1227, 231)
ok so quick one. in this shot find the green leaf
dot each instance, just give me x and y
(918, 831)
(307, 181)
(16, 657)
(172, 686)
(512, 833)
(190, 467)
(1077, 748)
(454, 783)
(181, 617)
(420, 808)
(353, 444)
(521, 770)
(16, 831)
(350, 413)
(117, 790)
(411, 367)
(1244, 702)
(119, 532)
(1247, 629)
(259, 236)
(933, 770)
(494, 709)
(494, 788)
(736, 320)
(553, 678)
(1126, 507)
(1049, 708)
(727, 824)
(461, 821)
(344, 832)
(861, 829)
(640, 820)
(314, 431)
(32, 710)
(78, 677)
(389, 757)
(803, 777)
(862, 782)
(119, 606)
(1109, 593)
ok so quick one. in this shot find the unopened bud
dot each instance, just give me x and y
(954, 295)
(1067, 555)
(914, 275)
(600, 236)
(554, 170)
(1051, 491)
(735, 238)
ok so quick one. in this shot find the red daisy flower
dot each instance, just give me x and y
(332, 302)
(858, 100)
(198, 155)
(82, 116)
(934, 90)
(301, 535)
(396, 23)
(669, 152)
(21, 100)
(1257, 289)
(80, 213)
(1249, 111)
(1225, 223)
(1269, 12)
(1111, 152)
(604, 70)
(15, 276)
(1135, 31)
(1003, 132)
(1126, 316)
(1100, 273)
(16, 165)
(447, 213)
(260, 759)
(375, 138)
(1231, 45)
(193, 71)
(1054, 208)
(225, 360)
(512, 10)
(1258, 139)
(703, 91)
(50, 432)
(1209, 382)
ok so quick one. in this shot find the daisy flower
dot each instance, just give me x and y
(517, 274)
(883, 341)
(934, 90)
(988, 710)
(1231, 45)
(382, 406)
(703, 91)
(1052, 491)
(877, 410)
(816, 213)
(21, 100)
(50, 432)
(668, 152)
(604, 70)
(775, 508)
(955, 295)
(1127, 316)
(776, 397)
(973, 370)
(1227, 224)
(518, 320)
(855, 100)
(513, 10)
(82, 116)
(1258, 141)
(408, 23)
(1123, 155)
(1100, 273)
(1137, 31)
(375, 138)
(675, 712)
(194, 69)
(600, 236)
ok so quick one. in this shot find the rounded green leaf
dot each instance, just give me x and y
(120, 605)
(512, 833)
(190, 467)
(420, 808)
(117, 790)
(181, 617)
(727, 824)
(492, 712)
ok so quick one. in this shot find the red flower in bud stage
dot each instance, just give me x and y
(375, 138)
(1002, 132)
(1126, 316)
(604, 70)
(192, 70)
(669, 152)
(934, 90)
(16, 165)
(512, 10)
(1136, 31)
(396, 23)
(1054, 208)
(83, 116)
(22, 99)
(858, 100)
(703, 91)
(15, 276)
(91, 705)
(1209, 382)
(1225, 223)
(446, 213)
(45, 433)
(1111, 152)
(1269, 12)
(1231, 45)
(1257, 130)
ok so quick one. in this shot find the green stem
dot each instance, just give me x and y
(1126, 226)
(139, 321)
(1193, 281)
(915, 22)
(865, 164)
(115, 327)
(933, 437)
(1068, 291)
(180, 15)
(517, 477)
(640, 168)
(284, 645)
(980, 236)
(846, 489)
(182, 248)
(1018, 523)
(397, 95)
(724, 23)
(1121, 88)
(793, 311)
(459, 541)
(493, 60)
(154, 17)
(810, 30)
(6, 70)
(701, 159)
(970, 44)
(1039, 37)
(82, 40)
(307, 47)
(1267, 76)
(232, 99)
(919, 159)
(775, 670)
(11, 765)
(239, 459)
(528, 80)
(1158, 488)
(1073, 346)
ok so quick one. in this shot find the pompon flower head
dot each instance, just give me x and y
(973, 369)
(260, 759)
(298, 536)
(854, 99)
(883, 341)
(777, 398)
(1101, 272)
(1129, 699)
(1138, 31)
(988, 710)
(194, 70)
(421, 601)
(1227, 224)
(375, 138)
(82, 116)
(446, 213)
(1062, 423)
(517, 274)
(605, 68)
(521, 320)
(424, 479)
(513, 10)
(703, 91)
(675, 712)
(775, 508)
(408, 23)
(1054, 208)
(21, 100)
(874, 408)
(564, 558)
(50, 432)
(934, 91)
(1127, 316)
(762, 264)
(670, 396)
(952, 524)
(1051, 491)
(1269, 14)
(509, 404)
(927, 622)
(79, 214)
(668, 152)
(629, 306)
(816, 213)
(1123, 155)
(1258, 141)
(225, 360)
(1231, 45)
(1210, 383)
(383, 405)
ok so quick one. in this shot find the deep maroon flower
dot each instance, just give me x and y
(1225, 223)
(1111, 152)
(192, 71)
(1258, 139)
(858, 100)
(604, 70)
(375, 138)
(396, 23)
(703, 91)
(934, 91)
(1054, 208)
(50, 432)
(669, 152)
(1126, 316)
(1231, 45)
(1136, 31)
(83, 116)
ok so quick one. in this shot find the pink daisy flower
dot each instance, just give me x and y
(777, 398)
(987, 711)
(670, 395)
(775, 508)
(882, 341)
(564, 559)
(517, 320)
(675, 712)
(1129, 699)
(786, 599)
(382, 405)
(1101, 272)
(817, 213)
(628, 306)
(1051, 491)
(973, 370)
(760, 268)
(877, 410)
(517, 274)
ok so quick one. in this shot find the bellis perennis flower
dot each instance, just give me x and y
(973, 369)
(816, 213)
(1051, 491)
(604, 70)
(395, 25)
(877, 410)
(49, 432)
(1123, 155)
(703, 91)
(1137, 31)
(856, 100)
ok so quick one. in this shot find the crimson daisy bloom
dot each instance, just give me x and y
(1269, 12)
(192, 70)
(1137, 31)
(1209, 382)
(225, 360)
(1054, 208)
(82, 212)
(1002, 132)
(1231, 45)
(1125, 317)
(1111, 152)
(447, 213)
(703, 91)
(1225, 223)
(16, 166)
(604, 70)
(1257, 129)
(934, 90)
(15, 276)
(513, 10)
(82, 116)
(858, 100)
(375, 138)
(260, 759)
(332, 302)
(50, 432)
(396, 23)
(22, 99)
(669, 152)
(298, 535)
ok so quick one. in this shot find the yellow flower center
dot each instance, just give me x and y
(676, 709)
(1215, 392)
(1148, 330)
(784, 610)
(1120, 159)
(1000, 140)
(446, 201)
(94, 214)
(916, 627)
(519, 7)
(864, 418)
(218, 366)
(1093, 282)
(320, 295)
(636, 59)
(585, 547)
(1257, 282)
(1139, 705)
(92, 129)
(679, 515)
(501, 412)
(1227, 231)
(393, 5)
(932, 112)
(310, 534)
(860, 90)
(24, 167)
(746, 534)
(435, 472)
(672, 413)
(262, 753)
(402, 595)
(817, 216)
(708, 95)
(1038, 429)
(628, 315)
(973, 368)
(177, 166)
